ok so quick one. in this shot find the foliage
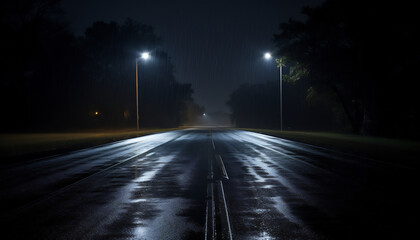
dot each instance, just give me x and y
(296, 72)
(112, 50)
(257, 106)
(52, 80)
(363, 55)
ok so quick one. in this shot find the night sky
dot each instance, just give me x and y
(215, 45)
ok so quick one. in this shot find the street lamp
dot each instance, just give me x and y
(279, 61)
(145, 56)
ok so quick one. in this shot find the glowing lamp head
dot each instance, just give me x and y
(145, 55)
(267, 55)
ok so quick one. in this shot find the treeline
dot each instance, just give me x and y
(360, 60)
(258, 106)
(52, 80)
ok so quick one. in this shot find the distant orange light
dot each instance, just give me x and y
(96, 113)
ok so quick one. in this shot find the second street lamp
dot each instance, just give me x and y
(144, 56)
(279, 61)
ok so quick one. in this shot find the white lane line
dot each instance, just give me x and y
(212, 142)
(226, 210)
(222, 167)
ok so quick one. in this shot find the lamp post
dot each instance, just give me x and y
(279, 61)
(144, 56)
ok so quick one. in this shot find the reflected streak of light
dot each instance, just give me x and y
(282, 207)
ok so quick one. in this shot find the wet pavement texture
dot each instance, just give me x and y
(207, 184)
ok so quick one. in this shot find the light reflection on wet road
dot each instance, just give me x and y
(156, 187)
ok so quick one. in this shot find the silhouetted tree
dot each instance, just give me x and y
(362, 55)
(52, 80)
(111, 52)
(257, 106)
(36, 49)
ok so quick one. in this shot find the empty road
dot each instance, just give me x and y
(207, 184)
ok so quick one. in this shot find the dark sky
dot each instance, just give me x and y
(215, 45)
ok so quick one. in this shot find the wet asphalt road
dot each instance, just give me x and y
(207, 184)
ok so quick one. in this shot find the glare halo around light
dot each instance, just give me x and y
(145, 55)
(267, 55)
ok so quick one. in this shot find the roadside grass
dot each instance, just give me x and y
(396, 151)
(24, 146)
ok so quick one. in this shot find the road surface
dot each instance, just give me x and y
(206, 184)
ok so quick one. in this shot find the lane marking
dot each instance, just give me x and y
(222, 167)
(212, 142)
(226, 210)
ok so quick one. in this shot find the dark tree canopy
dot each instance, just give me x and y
(111, 52)
(257, 106)
(52, 80)
(353, 62)
(363, 55)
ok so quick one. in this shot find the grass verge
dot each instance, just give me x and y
(21, 147)
(397, 151)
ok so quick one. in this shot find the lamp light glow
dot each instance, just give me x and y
(145, 55)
